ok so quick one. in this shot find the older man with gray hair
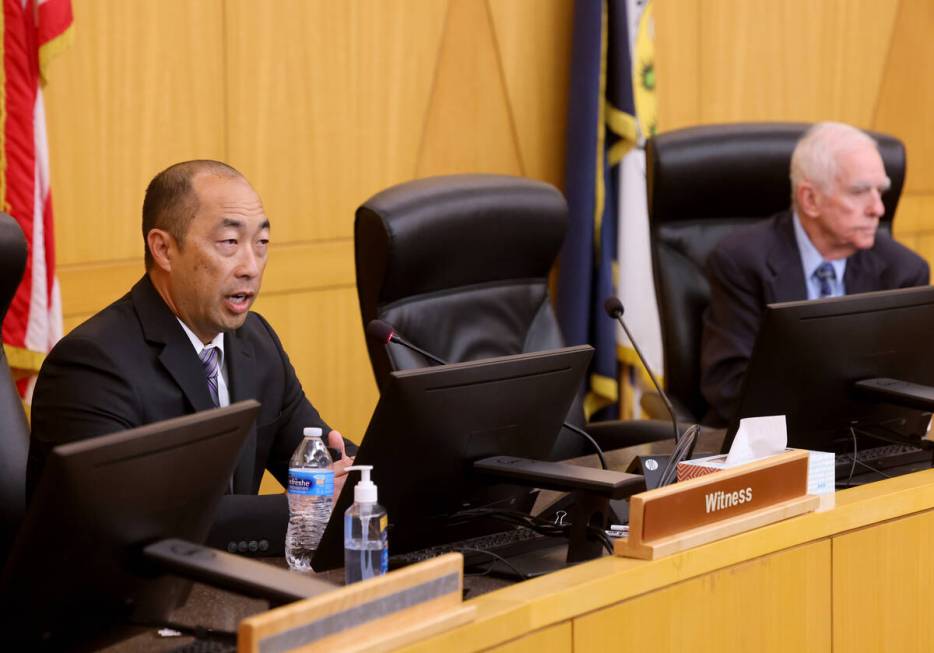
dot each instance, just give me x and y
(826, 245)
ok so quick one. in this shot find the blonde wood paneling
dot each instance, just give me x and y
(882, 589)
(677, 62)
(322, 265)
(322, 333)
(533, 38)
(470, 126)
(914, 224)
(910, 214)
(790, 591)
(556, 639)
(291, 269)
(320, 104)
(906, 96)
(792, 60)
(141, 88)
(326, 102)
(89, 287)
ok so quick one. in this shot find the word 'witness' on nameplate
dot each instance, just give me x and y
(715, 505)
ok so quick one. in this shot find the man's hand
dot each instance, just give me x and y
(336, 441)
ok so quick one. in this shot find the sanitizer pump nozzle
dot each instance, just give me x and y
(364, 491)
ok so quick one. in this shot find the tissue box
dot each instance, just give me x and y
(820, 472)
(701, 466)
(822, 479)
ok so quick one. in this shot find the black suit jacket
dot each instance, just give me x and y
(132, 364)
(761, 265)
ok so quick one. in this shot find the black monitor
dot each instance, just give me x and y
(809, 357)
(76, 568)
(430, 426)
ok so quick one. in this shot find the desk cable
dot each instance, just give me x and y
(584, 434)
(495, 558)
(537, 524)
(849, 479)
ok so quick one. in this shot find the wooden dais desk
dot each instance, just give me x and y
(858, 577)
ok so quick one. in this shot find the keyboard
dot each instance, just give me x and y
(505, 544)
(882, 458)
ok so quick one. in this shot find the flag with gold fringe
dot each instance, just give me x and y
(637, 119)
(34, 31)
(612, 73)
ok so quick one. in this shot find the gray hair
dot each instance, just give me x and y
(815, 156)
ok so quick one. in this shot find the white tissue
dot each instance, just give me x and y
(758, 437)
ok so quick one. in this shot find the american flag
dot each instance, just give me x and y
(34, 31)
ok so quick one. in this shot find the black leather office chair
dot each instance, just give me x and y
(459, 266)
(14, 431)
(703, 182)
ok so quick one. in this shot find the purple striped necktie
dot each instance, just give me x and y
(210, 365)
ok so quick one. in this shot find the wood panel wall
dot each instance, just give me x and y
(322, 103)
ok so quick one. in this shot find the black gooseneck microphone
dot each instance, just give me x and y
(385, 333)
(684, 444)
(614, 308)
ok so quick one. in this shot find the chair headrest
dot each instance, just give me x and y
(12, 260)
(445, 232)
(738, 171)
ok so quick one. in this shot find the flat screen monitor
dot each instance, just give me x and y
(75, 569)
(808, 355)
(432, 423)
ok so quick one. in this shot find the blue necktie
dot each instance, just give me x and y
(825, 275)
(210, 365)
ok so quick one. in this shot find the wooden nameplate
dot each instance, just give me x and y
(378, 614)
(700, 510)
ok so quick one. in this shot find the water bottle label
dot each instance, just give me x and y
(316, 482)
(384, 561)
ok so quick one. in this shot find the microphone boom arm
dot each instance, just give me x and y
(614, 308)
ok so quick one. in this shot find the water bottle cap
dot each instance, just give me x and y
(365, 490)
(313, 431)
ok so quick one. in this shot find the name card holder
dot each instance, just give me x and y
(378, 614)
(708, 508)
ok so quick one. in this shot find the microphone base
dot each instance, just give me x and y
(650, 467)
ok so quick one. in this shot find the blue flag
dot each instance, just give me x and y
(602, 129)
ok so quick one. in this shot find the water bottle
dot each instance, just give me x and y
(311, 490)
(366, 548)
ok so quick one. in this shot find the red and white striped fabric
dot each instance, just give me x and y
(34, 31)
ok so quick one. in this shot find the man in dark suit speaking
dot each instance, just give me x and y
(826, 245)
(183, 339)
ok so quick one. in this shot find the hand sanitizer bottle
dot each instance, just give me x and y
(366, 549)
